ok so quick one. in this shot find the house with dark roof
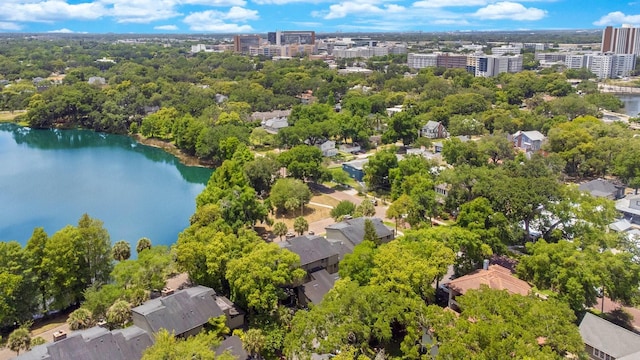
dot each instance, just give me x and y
(434, 130)
(96, 343)
(603, 188)
(494, 276)
(316, 253)
(349, 233)
(184, 313)
(355, 168)
(232, 346)
(315, 290)
(608, 341)
(528, 141)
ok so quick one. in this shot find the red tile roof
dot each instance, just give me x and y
(496, 277)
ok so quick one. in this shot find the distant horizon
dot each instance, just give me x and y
(323, 16)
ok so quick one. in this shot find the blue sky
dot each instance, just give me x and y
(259, 16)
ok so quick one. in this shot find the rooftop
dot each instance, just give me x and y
(496, 277)
(610, 338)
(310, 248)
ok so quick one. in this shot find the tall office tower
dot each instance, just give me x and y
(624, 40)
(242, 43)
(292, 37)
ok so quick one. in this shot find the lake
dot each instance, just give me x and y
(49, 178)
(631, 104)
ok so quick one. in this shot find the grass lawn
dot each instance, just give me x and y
(311, 212)
(7, 116)
(325, 199)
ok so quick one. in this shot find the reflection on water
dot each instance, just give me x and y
(631, 104)
(49, 178)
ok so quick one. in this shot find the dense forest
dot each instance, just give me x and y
(385, 299)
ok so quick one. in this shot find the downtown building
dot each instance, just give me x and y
(623, 40)
(604, 66)
(242, 43)
(292, 37)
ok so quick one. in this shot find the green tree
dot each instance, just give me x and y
(80, 319)
(149, 271)
(344, 207)
(253, 342)
(300, 225)
(358, 265)
(377, 169)
(143, 244)
(257, 279)
(303, 162)
(286, 189)
(529, 328)
(95, 247)
(366, 208)
(119, 314)
(280, 229)
(121, 250)
(169, 347)
(262, 172)
(370, 233)
(35, 249)
(19, 339)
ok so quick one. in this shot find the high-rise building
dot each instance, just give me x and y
(624, 40)
(242, 43)
(604, 66)
(419, 61)
(292, 37)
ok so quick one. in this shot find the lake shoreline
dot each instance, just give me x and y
(188, 160)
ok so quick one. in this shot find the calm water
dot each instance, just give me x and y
(49, 178)
(631, 104)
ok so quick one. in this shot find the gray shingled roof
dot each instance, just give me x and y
(309, 248)
(609, 337)
(185, 310)
(322, 282)
(599, 187)
(94, 344)
(233, 345)
(353, 229)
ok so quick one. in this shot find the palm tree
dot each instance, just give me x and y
(80, 319)
(143, 244)
(300, 225)
(280, 229)
(253, 342)
(20, 339)
(119, 314)
(121, 250)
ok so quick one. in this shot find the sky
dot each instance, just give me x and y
(260, 16)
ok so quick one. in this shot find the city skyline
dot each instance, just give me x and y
(261, 16)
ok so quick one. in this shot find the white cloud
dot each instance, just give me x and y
(50, 10)
(509, 10)
(166, 27)
(449, 3)
(9, 26)
(140, 11)
(360, 8)
(220, 3)
(61, 31)
(617, 18)
(214, 21)
(450, 22)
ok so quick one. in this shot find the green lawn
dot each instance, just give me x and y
(8, 116)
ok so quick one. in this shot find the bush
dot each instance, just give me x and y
(80, 319)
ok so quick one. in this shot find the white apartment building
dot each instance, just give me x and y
(492, 65)
(419, 61)
(604, 66)
(502, 50)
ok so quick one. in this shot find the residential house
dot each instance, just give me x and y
(315, 290)
(96, 343)
(355, 168)
(307, 97)
(529, 141)
(315, 252)
(604, 340)
(352, 149)
(494, 276)
(434, 130)
(266, 115)
(183, 313)
(232, 346)
(328, 148)
(629, 206)
(97, 80)
(394, 110)
(349, 233)
(603, 188)
(274, 125)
